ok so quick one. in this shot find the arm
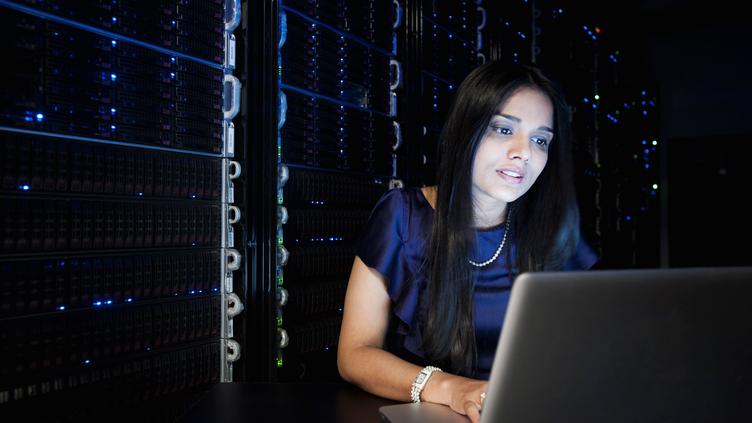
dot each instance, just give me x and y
(362, 360)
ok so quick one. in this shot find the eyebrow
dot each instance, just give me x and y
(518, 120)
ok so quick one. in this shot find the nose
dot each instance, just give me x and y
(519, 148)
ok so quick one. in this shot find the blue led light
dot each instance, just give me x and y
(647, 151)
(586, 100)
(28, 118)
(172, 75)
(140, 194)
(629, 218)
(40, 117)
(173, 23)
(191, 292)
(644, 112)
(61, 308)
(643, 92)
(112, 127)
(647, 166)
(113, 111)
(87, 361)
(24, 187)
(172, 59)
(113, 77)
(194, 196)
(584, 27)
(129, 300)
(97, 303)
(215, 289)
(114, 19)
(108, 302)
(114, 43)
(644, 142)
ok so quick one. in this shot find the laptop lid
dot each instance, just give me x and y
(653, 345)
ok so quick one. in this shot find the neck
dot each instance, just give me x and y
(488, 212)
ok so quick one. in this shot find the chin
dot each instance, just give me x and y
(507, 195)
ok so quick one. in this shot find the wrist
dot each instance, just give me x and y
(439, 388)
(420, 382)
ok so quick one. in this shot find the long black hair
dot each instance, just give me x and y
(545, 223)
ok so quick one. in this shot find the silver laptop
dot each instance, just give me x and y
(651, 345)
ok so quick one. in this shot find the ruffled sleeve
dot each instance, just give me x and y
(383, 246)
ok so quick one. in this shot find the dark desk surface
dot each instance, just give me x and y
(287, 402)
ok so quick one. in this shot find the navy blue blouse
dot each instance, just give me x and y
(395, 241)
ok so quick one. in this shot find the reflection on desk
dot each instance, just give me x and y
(287, 402)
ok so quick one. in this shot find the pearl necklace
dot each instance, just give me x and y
(498, 250)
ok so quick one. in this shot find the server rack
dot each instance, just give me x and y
(615, 120)
(448, 35)
(346, 126)
(335, 118)
(117, 256)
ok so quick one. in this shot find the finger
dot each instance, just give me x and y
(472, 410)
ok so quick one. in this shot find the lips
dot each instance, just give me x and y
(511, 174)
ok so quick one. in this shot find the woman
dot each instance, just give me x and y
(432, 277)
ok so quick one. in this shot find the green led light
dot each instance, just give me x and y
(597, 97)
(280, 280)
(655, 142)
(279, 321)
(279, 362)
(655, 186)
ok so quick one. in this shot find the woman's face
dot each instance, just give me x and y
(513, 150)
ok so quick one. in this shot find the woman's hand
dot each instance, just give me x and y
(466, 398)
(461, 394)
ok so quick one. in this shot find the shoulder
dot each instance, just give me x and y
(402, 200)
(404, 210)
(583, 258)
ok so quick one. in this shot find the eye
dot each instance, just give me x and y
(541, 141)
(503, 130)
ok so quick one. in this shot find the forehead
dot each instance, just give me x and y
(529, 105)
